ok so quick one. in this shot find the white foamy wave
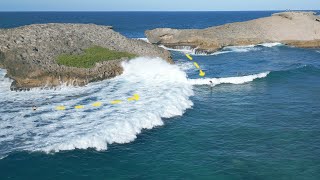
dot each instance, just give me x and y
(192, 51)
(143, 39)
(240, 49)
(4, 82)
(227, 49)
(164, 92)
(271, 44)
(318, 51)
(228, 80)
(184, 49)
(185, 65)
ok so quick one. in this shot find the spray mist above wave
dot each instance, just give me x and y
(164, 92)
(228, 80)
(227, 49)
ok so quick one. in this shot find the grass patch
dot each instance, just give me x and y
(91, 56)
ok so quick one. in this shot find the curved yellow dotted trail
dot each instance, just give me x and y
(135, 97)
(201, 73)
(97, 104)
(60, 108)
(189, 57)
(196, 65)
(79, 107)
(116, 102)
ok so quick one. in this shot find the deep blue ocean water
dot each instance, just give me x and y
(268, 128)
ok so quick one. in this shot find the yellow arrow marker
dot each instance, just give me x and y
(79, 107)
(116, 102)
(196, 65)
(189, 57)
(97, 104)
(60, 108)
(135, 97)
(202, 73)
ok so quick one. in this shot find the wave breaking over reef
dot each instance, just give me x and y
(228, 49)
(164, 90)
(164, 93)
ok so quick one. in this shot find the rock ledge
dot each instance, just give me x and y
(301, 29)
(29, 53)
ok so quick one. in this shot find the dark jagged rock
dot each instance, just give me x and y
(29, 53)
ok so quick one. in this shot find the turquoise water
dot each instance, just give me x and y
(246, 128)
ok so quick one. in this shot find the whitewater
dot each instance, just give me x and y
(164, 90)
(227, 49)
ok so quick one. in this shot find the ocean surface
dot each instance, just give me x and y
(259, 119)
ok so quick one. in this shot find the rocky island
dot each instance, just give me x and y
(54, 54)
(300, 29)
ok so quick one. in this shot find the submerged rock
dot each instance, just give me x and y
(29, 53)
(301, 29)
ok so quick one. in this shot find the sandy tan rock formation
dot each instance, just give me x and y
(301, 29)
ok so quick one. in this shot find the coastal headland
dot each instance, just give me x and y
(299, 29)
(48, 55)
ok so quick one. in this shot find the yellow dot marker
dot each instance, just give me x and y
(189, 57)
(60, 108)
(79, 107)
(196, 65)
(135, 97)
(116, 102)
(97, 104)
(202, 73)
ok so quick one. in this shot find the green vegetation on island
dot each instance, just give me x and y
(91, 56)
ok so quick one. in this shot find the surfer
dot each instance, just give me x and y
(211, 86)
(211, 83)
(34, 108)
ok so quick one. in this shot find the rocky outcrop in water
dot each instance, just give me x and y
(29, 53)
(301, 29)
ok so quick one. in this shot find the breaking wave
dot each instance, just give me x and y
(228, 80)
(228, 49)
(270, 44)
(163, 90)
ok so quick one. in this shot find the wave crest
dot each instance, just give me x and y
(163, 88)
(227, 49)
(228, 80)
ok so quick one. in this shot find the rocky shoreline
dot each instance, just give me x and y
(300, 29)
(29, 53)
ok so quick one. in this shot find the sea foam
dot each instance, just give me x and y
(228, 80)
(227, 49)
(164, 91)
(163, 88)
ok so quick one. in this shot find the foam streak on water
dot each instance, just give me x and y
(228, 49)
(164, 92)
(228, 80)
